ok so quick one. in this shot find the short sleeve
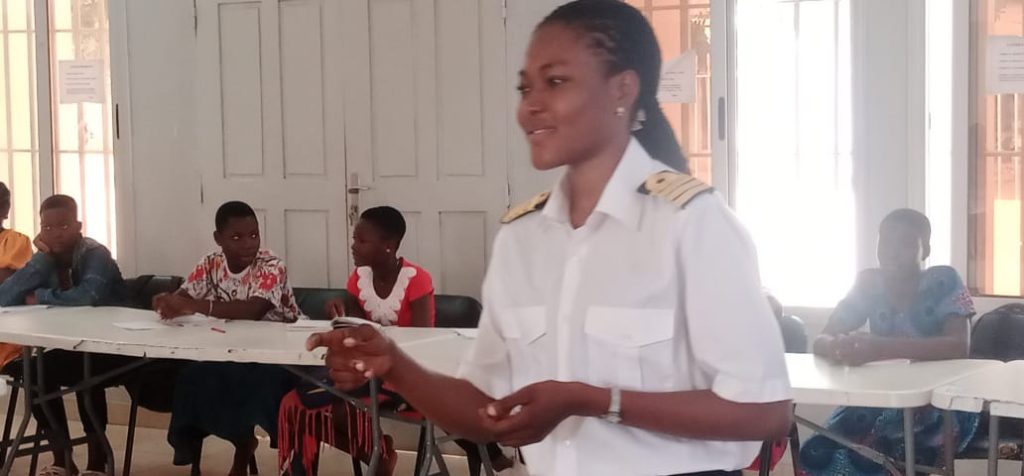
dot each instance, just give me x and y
(197, 285)
(487, 365)
(17, 252)
(735, 339)
(268, 282)
(952, 296)
(420, 285)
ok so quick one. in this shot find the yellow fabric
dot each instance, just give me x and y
(15, 249)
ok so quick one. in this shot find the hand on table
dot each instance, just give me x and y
(854, 349)
(171, 305)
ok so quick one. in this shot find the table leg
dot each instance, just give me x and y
(863, 450)
(908, 440)
(993, 445)
(375, 427)
(26, 378)
(949, 446)
(55, 435)
(90, 409)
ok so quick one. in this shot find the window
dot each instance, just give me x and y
(683, 25)
(793, 173)
(83, 159)
(995, 187)
(79, 134)
(19, 144)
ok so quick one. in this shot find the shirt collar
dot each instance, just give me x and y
(620, 198)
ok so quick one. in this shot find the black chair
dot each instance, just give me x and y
(794, 338)
(998, 335)
(313, 301)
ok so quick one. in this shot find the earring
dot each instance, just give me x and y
(620, 111)
(638, 122)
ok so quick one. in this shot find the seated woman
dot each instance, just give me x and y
(383, 288)
(912, 314)
(240, 282)
(15, 251)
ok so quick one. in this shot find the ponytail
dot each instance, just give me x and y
(659, 140)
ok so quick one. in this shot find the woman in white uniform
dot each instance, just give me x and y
(624, 327)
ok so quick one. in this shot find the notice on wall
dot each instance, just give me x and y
(81, 81)
(1004, 65)
(679, 79)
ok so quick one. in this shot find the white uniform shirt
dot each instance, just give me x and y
(645, 296)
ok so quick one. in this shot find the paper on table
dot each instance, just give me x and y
(36, 307)
(194, 320)
(342, 322)
(304, 325)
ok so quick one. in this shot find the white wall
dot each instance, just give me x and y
(168, 234)
(886, 135)
(170, 229)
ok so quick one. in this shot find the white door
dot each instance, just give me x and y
(271, 128)
(400, 101)
(426, 127)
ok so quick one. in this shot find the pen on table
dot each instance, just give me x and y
(215, 329)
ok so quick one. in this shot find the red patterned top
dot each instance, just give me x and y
(265, 278)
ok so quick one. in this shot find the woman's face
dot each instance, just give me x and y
(899, 248)
(568, 102)
(369, 248)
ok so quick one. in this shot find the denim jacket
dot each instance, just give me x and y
(96, 279)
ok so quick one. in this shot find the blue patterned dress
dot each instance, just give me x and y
(941, 294)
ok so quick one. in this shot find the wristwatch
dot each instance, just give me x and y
(614, 413)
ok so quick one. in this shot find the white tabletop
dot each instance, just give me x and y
(94, 329)
(1002, 386)
(897, 384)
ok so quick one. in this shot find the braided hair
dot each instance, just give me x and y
(624, 39)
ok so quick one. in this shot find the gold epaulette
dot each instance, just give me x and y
(526, 208)
(675, 187)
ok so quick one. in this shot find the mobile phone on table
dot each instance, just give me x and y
(347, 322)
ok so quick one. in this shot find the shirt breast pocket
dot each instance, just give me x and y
(524, 329)
(631, 348)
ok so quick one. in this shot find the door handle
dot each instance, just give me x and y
(354, 189)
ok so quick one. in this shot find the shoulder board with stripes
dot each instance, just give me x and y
(526, 208)
(675, 187)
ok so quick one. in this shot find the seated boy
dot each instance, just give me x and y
(68, 270)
